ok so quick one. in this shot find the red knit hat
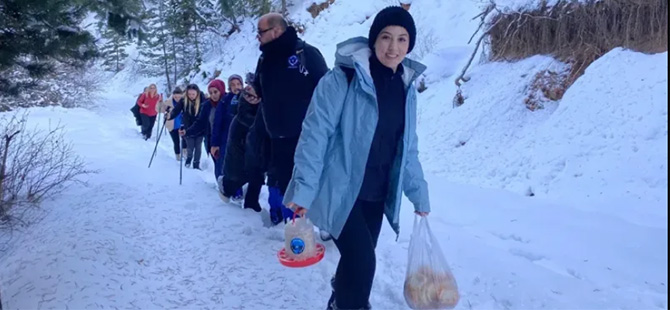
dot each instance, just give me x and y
(220, 85)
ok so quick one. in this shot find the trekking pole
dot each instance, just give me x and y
(157, 140)
(158, 122)
(181, 157)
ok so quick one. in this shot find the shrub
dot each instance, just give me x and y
(579, 33)
(34, 165)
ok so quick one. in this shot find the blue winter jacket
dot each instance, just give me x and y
(222, 119)
(177, 120)
(335, 142)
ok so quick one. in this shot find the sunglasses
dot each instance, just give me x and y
(262, 32)
(250, 96)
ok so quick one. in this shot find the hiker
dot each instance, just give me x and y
(148, 102)
(235, 174)
(206, 116)
(216, 90)
(220, 128)
(235, 85)
(190, 107)
(288, 70)
(173, 125)
(358, 149)
(136, 108)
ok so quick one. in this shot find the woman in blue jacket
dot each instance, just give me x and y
(358, 151)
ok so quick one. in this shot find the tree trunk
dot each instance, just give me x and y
(161, 14)
(174, 59)
(197, 46)
(8, 139)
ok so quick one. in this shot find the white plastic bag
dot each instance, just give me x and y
(429, 283)
(299, 241)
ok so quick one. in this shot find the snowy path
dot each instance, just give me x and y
(133, 238)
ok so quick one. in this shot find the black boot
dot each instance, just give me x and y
(331, 301)
(188, 162)
(196, 165)
(253, 205)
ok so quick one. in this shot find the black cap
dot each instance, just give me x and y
(392, 16)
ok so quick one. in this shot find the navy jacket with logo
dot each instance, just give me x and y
(287, 73)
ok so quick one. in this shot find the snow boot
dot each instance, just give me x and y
(275, 202)
(196, 165)
(253, 205)
(219, 185)
(238, 198)
(177, 156)
(333, 306)
(331, 302)
(188, 162)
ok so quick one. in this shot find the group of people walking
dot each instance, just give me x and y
(337, 145)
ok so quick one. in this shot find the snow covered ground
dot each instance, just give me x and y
(134, 238)
(604, 145)
(594, 236)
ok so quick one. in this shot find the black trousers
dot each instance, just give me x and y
(174, 134)
(357, 243)
(136, 113)
(282, 151)
(256, 181)
(148, 125)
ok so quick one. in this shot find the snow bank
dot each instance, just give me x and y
(606, 140)
(133, 238)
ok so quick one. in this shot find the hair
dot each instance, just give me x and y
(276, 20)
(193, 87)
(155, 87)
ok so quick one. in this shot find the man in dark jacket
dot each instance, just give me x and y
(287, 73)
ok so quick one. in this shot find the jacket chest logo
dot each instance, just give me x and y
(293, 62)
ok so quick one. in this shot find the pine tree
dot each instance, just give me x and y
(157, 56)
(41, 35)
(114, 50)
(232, 10)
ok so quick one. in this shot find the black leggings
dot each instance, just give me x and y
(174, 134)
(148, 124)
(357, 243)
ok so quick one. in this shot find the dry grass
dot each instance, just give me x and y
(547, 86)
(315, 8)
(580, 33)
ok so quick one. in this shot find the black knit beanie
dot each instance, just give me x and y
(392, 16)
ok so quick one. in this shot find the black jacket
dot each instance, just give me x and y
(190, 115)
(287, 73)
(234, 167)
(257, 151)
